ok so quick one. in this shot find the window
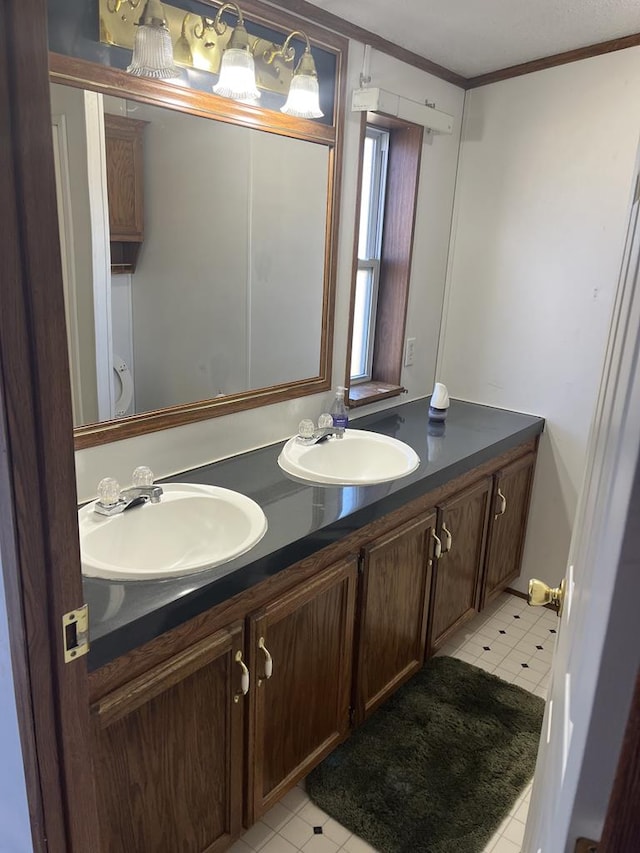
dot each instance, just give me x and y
(389, 170)
(372, 193)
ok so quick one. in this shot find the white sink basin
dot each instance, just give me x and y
(193, 527)
(359, 458)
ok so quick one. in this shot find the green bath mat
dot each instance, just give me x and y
(438, 767)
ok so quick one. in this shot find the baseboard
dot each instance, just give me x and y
(524, 595)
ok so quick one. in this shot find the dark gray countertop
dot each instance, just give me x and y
(302, 517)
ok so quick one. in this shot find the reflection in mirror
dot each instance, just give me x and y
(215, 286)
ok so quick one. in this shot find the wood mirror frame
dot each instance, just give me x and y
(80, 73)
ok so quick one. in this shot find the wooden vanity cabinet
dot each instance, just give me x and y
(181, 756)
(302, 711)
(507, 525)
(394, 593)
(462, 530)
(168, 752)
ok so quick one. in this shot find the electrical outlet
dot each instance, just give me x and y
(409, 352)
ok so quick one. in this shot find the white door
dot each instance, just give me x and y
(591, 575)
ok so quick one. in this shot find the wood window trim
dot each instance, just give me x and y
(405, 150)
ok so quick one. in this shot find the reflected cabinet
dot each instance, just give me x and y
(124, 150)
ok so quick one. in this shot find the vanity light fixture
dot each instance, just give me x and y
(209, 42)
(152, 49)
(237, 78)
(182, 48)
(303, 100)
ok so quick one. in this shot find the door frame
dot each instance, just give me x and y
(38, 529)
(38, 524)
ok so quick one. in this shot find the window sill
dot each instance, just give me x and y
(370, 392)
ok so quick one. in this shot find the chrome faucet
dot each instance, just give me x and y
(113, 500)
(321, 434)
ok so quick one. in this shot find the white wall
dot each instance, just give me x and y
(189, 288)
(70, 103)
(171, 451)
(286, 289)
(15, 828)
(544, 188)
(122, 332)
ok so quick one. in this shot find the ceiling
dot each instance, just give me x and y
(472, 37)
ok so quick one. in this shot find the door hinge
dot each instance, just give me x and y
(75, 633)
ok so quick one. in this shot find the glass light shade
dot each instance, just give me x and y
(182, 51)
(153, 52)
(237, 76)
(304, 93)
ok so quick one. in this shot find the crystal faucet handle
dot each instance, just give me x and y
(306, 428)
(142, 477)
(108, 491)
(325, 420)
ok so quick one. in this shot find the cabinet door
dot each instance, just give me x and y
(395, 586)
(168, 753)
(123, 140)
(508, 524)
(301, 712)
(462, 529)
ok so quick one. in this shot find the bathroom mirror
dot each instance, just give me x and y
(230, 303)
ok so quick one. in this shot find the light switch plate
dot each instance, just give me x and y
(409, 351)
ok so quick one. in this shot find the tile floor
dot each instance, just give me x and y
(509, 639)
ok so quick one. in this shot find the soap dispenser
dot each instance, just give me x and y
(338, 409)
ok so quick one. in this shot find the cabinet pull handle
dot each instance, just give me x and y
(244, 681)
(503, 504)
(437, 551)
(268, 661)
(447, 533)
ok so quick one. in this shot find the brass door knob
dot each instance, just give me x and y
(540, 593)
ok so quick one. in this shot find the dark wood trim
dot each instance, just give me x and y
(405, 151)
(621, 832)
(140, 660)
(14, 598)
(365, 393)
(147, 686)
(551, 61)
(81, 74)
(107, 432)
(403, 179)
(517, 593)
(334, 196)
(41, 559)
(364, 36)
